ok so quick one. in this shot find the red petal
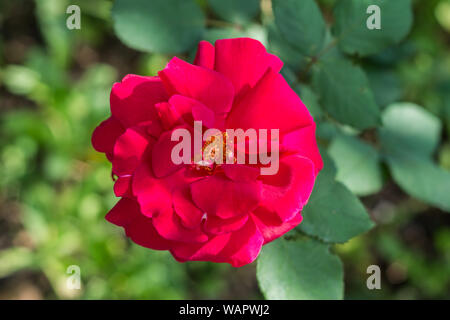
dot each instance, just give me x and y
(244, 61)
(286, 192)
(129, 149)
(133, 99)
(244, 245)
(169, 227)
(137, 227)
(239, 172)
(200, 252)
(225, 198)
(202, 84)
(205, 55)
(123, 212)
(155, 195)
(122, 187)
(105, 135)
(162, 163)
(271, 226)
(215, 225)
(303, 142)
(190, 215)
(271, 104)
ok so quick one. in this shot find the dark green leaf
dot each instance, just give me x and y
(385, 85)
(354, 35)
(287, 53)
(345, 93)
(301, 24)
(163, 26)
(310, 100)
(300, 269)
(333, 213)
(409, 137)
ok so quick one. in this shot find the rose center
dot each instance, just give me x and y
(215, 152)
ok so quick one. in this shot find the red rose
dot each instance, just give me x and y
(220, 212)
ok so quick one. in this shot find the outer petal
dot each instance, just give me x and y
(122, 187)
(216, 225)
(142, 232)
(169, 226)
(205, 85)
(303, 142)
(123, 212)
(133, 99)
(105, 135)
(129, 149)
(217, 195)
(288, 191)
(271, 226)
(205, 55)
(271, 104)
(244, 61)
(139, 228)
(200, 252)
(244, 245)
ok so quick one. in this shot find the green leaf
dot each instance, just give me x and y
(301, 23)
(299, 269)
(411, 128)
(358, 165)
(345, 93)
(310, 100)
(354, 35)
(237, 11)
(287, 53)
(409, 137)
(334, 214)
(386, 86)
(163, 26)
(421, 178)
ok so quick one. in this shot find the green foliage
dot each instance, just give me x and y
(358, 165)
(165, 26)
(354, 37)
(299, 269)
(345, 93)
(409, 137)
(408, 127)
(301, 23)
(333, 214)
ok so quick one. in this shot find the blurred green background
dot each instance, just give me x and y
(55, 189)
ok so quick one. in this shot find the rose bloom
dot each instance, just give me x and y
(221, 214)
